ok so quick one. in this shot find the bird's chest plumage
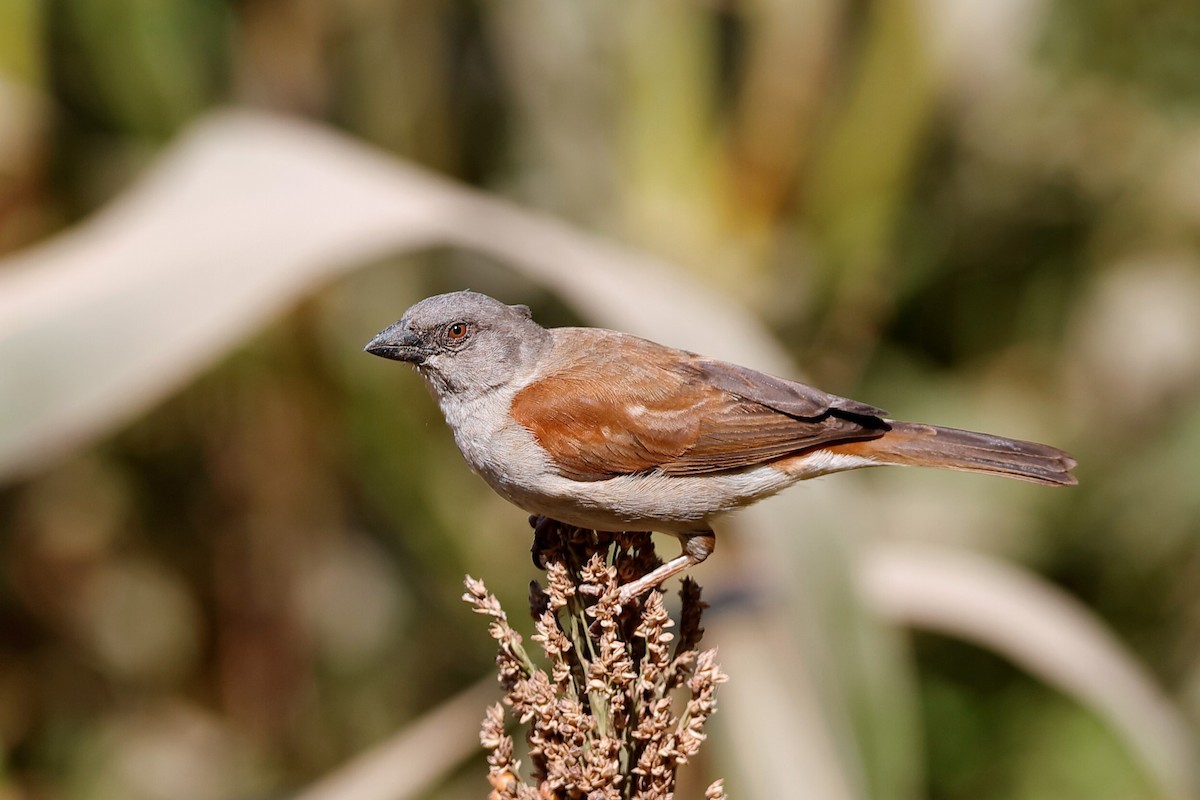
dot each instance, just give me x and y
(501, 451)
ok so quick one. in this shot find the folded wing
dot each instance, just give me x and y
(624, 405)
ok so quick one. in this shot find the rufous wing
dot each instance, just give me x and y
(621, 405)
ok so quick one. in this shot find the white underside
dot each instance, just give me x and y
(667, 503)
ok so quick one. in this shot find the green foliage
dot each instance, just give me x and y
(967, 212)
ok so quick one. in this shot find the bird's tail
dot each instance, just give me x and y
(915, 444)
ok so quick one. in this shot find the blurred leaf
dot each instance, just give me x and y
(245, 216)
(1043, 630)
(153, 64)
(1153, 45)
(1069, 755)
(408, 764)
(860, 173)
(19, 42)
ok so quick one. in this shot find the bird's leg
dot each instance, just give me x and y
(697, 546)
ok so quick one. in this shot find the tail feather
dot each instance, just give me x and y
(915, 444)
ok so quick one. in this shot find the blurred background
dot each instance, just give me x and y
(228, 568)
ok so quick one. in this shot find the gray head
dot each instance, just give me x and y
(463, 342)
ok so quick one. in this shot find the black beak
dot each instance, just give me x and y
(399, 344)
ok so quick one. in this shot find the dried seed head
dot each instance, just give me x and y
(715, 791)
(600, 723)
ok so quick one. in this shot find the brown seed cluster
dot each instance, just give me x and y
(602, 722)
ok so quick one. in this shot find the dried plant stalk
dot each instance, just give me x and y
(602, 722)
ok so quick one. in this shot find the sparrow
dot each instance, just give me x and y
(611, 432)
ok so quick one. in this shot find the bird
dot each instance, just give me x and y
(608, 431)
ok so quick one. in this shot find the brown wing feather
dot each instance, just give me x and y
(789, 397)
(657, 408)
(591, 433)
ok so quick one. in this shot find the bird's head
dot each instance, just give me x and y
(463, 342)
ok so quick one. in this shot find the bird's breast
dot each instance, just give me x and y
(500, 450)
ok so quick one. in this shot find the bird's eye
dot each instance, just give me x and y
(456, 331)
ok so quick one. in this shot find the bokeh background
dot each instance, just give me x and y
(231, 544)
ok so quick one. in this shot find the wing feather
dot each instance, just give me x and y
(622, 405)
